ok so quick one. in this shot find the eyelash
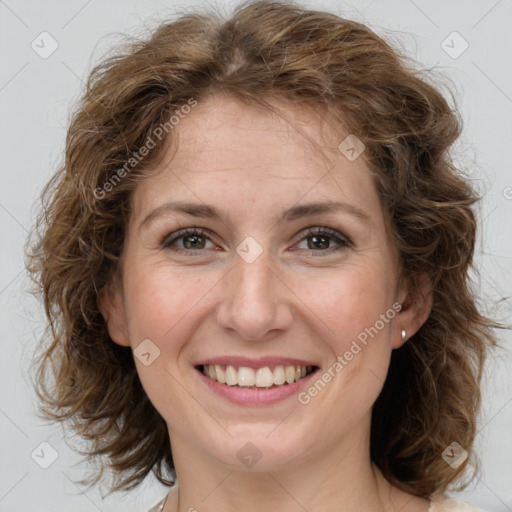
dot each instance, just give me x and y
(343, 241)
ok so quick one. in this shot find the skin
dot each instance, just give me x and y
(294, 300)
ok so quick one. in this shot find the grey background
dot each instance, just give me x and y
(36, 97)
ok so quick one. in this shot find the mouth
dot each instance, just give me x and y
(263, 377)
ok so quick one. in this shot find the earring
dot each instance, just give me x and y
(404, 334)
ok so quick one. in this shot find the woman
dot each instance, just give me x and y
(254, 264)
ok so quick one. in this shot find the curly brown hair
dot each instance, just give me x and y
(265, 51)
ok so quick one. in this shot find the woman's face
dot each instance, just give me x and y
(271, 274)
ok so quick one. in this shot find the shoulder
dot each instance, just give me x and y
(158, 507)
(443, 503)
(437, 504)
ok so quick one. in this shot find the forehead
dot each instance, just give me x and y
(225, 150)
(226, 128)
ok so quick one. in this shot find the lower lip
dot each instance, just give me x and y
(247, 396)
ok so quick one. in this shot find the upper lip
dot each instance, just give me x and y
(238, 361)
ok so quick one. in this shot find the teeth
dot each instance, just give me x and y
(246, 377)
(231, 376)
(264, 377)
(220, 374)
(261, 378)
(279, 375)
(289, 373)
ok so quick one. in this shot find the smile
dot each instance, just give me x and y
(264, 377)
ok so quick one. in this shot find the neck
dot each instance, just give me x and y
(339, 479)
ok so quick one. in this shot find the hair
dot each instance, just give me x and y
(266, 51)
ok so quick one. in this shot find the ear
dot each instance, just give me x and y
(110, 303)
(416, 299)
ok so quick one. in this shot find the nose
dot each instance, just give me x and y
(255, 302)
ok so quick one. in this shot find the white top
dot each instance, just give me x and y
(159, 507)
(437, 504)
(443, 504)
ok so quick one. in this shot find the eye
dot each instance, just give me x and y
(320, 239)
(317, 240)
(187, 240)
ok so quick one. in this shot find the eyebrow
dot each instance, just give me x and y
(294, 213)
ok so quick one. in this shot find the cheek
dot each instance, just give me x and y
(162, 299)
(346, 302)
(164, 305)
(352, 310)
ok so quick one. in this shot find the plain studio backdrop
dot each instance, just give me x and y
(48, 48)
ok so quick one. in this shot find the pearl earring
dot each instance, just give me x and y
(404, 334)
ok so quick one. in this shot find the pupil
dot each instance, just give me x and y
(196, 241)
(319, 242)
